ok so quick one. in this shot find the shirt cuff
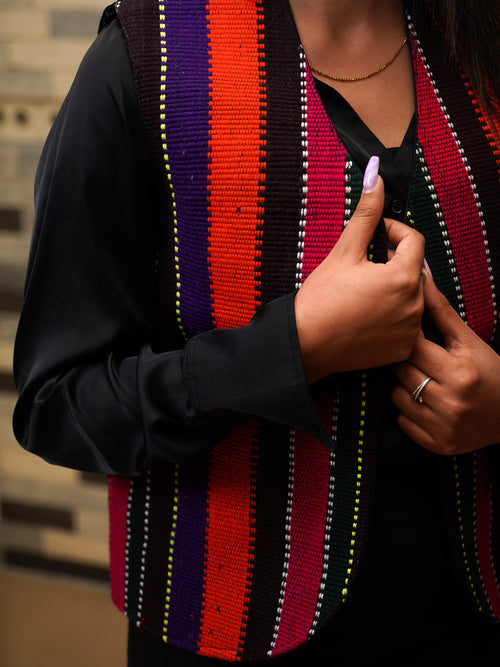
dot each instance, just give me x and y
(255, 370)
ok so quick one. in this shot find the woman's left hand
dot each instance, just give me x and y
(460, 411)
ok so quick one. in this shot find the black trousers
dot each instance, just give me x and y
(478, 647)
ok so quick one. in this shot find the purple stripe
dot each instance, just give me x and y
(187, 146)
(186, 596)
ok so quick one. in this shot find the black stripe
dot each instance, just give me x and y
(136, 540)
(284, 162)
(139, 20)
(270, 538)
(160, 527)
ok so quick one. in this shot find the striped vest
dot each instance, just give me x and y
(249, 550)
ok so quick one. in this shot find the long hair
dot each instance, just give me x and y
(472, 30)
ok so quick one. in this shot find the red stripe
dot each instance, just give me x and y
(325, 183)
(483, 529)
(311, 481)
(229, 545)
(119, 489)
(458, 205)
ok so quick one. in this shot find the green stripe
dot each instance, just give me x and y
(424, 212)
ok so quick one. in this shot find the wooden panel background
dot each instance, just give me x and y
(53, 522)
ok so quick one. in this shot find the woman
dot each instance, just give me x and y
(163, 340)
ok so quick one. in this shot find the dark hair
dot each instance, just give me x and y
(472, 30)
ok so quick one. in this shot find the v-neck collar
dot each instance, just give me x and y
(361, 143)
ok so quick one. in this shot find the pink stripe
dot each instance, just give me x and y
(325, 183)
(458, 205)
(324, 221)
(307, 539)
(483, 529)
(119, 489)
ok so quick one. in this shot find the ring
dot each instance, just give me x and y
(416, 393)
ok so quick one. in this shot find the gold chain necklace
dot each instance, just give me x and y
(366, 76)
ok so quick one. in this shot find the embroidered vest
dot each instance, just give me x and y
(249, 550)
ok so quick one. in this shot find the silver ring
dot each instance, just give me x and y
(416, 393)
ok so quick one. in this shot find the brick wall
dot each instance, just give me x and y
(50, 518)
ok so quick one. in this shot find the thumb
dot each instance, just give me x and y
(447, 320)
(361, 227)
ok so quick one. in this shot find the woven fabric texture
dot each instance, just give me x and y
(246, 552)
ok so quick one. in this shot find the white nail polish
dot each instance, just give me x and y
(371, 173)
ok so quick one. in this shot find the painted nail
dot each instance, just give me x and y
(371, 173)
(427, 267)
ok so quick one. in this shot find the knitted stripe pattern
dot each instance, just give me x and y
(249, 550)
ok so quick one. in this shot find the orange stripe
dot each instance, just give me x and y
(489, 122)
(236, 178)
(229, 545)
(236, 197)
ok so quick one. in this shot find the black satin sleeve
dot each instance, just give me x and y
(92, 394)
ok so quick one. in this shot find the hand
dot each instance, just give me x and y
(352, 313)
(461, 408)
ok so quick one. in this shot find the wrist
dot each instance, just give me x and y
(312, 362)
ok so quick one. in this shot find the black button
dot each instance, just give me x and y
(397, 206)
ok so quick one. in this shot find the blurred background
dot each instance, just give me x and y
(55, 606)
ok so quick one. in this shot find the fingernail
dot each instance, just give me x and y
(371, 173)
(427, 267)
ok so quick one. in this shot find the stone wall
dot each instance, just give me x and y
(50, 518)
